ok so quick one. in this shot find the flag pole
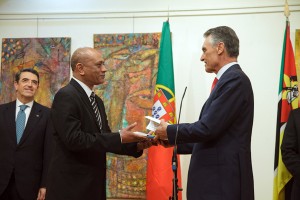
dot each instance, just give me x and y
(286, 10)
(168, 14)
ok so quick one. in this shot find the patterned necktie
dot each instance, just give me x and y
(20, 122)
(214, 84)
(95, 108)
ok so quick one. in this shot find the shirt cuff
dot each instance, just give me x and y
(120, 135)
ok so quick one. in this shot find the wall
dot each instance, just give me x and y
(259, 24)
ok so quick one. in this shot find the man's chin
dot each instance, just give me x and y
(102, 82)
(28, 94)
(208, 70)
(29, 97)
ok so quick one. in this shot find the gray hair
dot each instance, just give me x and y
(226, 35)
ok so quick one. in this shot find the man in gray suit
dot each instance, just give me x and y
(24, 152)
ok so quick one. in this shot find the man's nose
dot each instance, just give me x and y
(30, 83)
(201, 58)
(103, 68)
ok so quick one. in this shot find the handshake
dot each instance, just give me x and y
(156, 136)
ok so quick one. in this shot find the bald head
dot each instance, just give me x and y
(88, 66)
(81, 55)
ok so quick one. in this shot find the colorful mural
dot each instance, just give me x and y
(131, 61)
(49, 56)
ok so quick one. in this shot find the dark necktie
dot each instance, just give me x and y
(214, 84)
(20, 122)
(95, 108)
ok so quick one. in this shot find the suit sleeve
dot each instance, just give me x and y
(48, 148)
(185, 148)
(230, 98)
(130, 149)
(126, 149)
(290, 146)
(74, 126)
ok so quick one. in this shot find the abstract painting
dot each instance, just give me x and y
(49, 56)
(131, 61)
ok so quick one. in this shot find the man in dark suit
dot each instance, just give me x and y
(220, 141)
(290, 150)
(78, 168)
(24, 158)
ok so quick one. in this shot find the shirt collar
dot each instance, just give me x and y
(224, 68)
(29, 104)
(87, 90)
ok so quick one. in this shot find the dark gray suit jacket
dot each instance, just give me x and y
(29, 160)
(290, 150)
(220, 142)
(78, 168)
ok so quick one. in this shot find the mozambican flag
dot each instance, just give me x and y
(287, 100)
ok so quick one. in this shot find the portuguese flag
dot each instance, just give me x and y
(287, 100)
(159, 170)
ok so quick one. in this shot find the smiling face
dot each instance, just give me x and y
(26, 86)
(94, 69)
(89, 67)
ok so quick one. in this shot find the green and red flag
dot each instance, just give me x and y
(159, 170)
(287, 100)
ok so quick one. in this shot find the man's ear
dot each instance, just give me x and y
(220, 48)
(79, 67)
(16, 85)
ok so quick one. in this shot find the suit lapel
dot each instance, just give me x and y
(86, 100)
(219, 83)
(33, 119)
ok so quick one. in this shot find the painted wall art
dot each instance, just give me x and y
(131, 61)
(49, 56)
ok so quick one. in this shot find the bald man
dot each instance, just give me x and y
(82, 134)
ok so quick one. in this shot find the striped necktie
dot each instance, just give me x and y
(20, 122)
(95, 108)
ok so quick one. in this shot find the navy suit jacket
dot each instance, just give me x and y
(220, 142)
(28, 160)
(78, 168)
(290, 150)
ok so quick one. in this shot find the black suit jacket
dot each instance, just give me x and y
(28, 160)
(290, 150)
(78, 168)
(220, 142)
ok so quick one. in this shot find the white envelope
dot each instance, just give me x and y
(153, 123)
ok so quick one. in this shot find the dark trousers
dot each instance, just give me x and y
(11, 193)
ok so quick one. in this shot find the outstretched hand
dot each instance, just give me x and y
(128, 136)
